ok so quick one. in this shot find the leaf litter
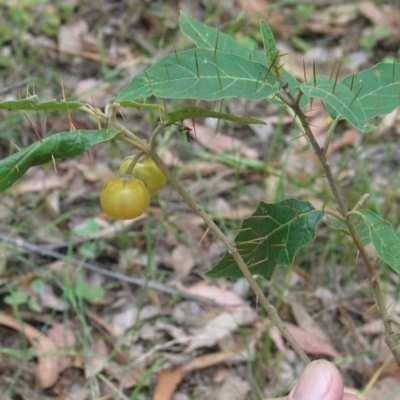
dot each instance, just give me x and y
(204, 327)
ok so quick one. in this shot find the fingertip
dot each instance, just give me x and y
(321, 380)
(348, 396)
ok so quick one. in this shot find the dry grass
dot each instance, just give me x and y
(118, 301)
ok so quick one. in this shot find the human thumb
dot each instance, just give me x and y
(321, 380)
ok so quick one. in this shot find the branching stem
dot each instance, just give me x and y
(343, 215)
(391, 337)
(231, 248)
(147, 149)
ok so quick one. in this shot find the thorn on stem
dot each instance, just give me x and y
(176, 56)
(314, 73)
(304, 70)
(197, 65)
(216, 47)
(355, 97)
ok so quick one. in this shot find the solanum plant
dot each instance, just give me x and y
(219, 68)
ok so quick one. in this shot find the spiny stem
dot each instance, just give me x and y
(128, 137)
(335, 214)
(391, 338)
(330, 133)
(231, 248)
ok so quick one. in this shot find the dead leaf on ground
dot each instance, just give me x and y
(209, 360)
(123, 318)
(47, 368)
(385, 16)
(76, 393)
(93, 91)
(335, 15)
(219, 328)
(37, 180)
(374, 327)
(49, 299)
(64, 339)
(305, 321)
(218, 142)
(222, 297)
(386, 388)
(167, 382)
(182, 261)
(308, 342)
(205, 168)
(96, 358)
(223, 209)
(231, 386)
(71, 35)
(257, 9)
(126, 376)
(350, 137)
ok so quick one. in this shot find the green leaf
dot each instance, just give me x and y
(220, 68)
(201, 74)
(197, 112)
(384, 238)
(271, 237)
(361, 227)
(60, 145)
(86, 292)
(210, 38)
(269, 45)
(377, 89)
(16, 298)
(273, 57)
(88, 226)
(339, 100)
(206, 37)
(33, 103)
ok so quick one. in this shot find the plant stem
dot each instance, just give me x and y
(147, 149)
(391, 337)
(231, 248)
(133, 162)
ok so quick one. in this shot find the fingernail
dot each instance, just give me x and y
(315, 382)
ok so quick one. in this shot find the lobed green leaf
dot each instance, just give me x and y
(201, 74)
(220, 68)
(206, 37)
(269, 43)
(271, 237)
(60, 145)
(339, 100)
(377, 89)
(383, 237)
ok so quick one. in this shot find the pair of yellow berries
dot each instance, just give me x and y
(128, 197)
